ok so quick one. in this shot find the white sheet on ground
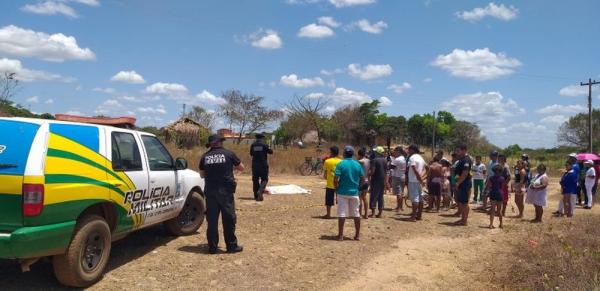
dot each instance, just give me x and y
(287, 189)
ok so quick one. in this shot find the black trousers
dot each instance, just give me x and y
(260, 177)
(376, 197)
(220, 202)
(582, 193)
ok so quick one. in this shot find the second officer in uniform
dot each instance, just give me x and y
(260, 166)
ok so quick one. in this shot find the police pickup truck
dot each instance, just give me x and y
(68, 190)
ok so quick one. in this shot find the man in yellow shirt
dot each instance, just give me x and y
(329, 175)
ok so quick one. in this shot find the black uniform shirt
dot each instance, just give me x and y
(217, 165)
(464, 164)
(379, 168)
(259, 151)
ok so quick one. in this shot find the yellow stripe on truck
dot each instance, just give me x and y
(11, 184)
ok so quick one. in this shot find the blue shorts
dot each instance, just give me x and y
(415, 193)
(464, 190)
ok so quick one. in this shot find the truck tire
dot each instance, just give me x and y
(86, 257)
(190, 218)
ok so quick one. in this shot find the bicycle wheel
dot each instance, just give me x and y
(318, 169)
(305, 169)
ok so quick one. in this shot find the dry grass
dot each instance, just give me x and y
(283, 161)
(564, 255)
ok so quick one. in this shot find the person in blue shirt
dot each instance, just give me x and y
(348, 175)
(575, 169)
(568, 183)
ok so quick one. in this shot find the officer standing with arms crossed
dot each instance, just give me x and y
(260, 167)
(216, 167)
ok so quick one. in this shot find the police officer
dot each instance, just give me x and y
(260, 167)
(216, 167)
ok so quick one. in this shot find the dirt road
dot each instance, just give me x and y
(287, 247)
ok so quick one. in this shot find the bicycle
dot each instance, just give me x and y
(311, 166)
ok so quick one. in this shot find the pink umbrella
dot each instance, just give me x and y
(587, 156)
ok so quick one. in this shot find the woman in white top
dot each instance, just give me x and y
(537, 193)
(590, 182)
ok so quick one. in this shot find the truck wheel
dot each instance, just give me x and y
(87, 256)
(190, 218)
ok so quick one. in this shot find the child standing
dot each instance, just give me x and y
(495, 185)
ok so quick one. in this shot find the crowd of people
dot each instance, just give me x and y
(358, 184)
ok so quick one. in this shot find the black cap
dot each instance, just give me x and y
(494, 154)
(260, 135)
(213, 139)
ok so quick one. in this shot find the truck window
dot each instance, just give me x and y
(125, 152)
(158, 156)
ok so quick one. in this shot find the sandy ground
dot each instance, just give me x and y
(288, 247)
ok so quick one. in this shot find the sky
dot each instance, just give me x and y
(511, 67)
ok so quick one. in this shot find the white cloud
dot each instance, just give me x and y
(50, 47)
(385, 101)
(265, 39)
(427, 80)
(480, 64)
(574, 91)
(554, 119)
(50, 8)
(93, 3)
(104, 90)
(49, 101)
(348, 3)
(171, 89)
(315, 31)
(501, 12)
(332, 72)
(399, 89)
(205, 97)
(74, 112)
(132, 98)
(369, 72)
(345, 97)
(109, 107)
(131, 77)
(292, 80)
(497, 118)
(329, 21)
(33, 99)
(482, 107)
(160, 109)
(27, 75)
(562, 109)
(315, 95)
(366, 26)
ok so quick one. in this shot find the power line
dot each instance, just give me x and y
(589, 84)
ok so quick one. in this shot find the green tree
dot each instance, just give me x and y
(512, 150)
(575, 130)
(246, 112)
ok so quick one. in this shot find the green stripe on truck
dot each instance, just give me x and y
(11, 216)
(36, 241)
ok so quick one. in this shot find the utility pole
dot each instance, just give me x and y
(589, 84)
(433, 139)
(183, 113)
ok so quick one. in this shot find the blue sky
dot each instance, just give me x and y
(508, 66)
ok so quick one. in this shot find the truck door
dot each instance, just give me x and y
(127, 162)
(163, 180)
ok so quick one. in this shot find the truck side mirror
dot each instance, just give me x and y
(181, 164)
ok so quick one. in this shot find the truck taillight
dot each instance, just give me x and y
(33, 199)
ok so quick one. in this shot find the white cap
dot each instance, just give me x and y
(573, 155)
(589, 162)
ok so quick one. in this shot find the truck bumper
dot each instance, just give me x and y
(36, 241)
